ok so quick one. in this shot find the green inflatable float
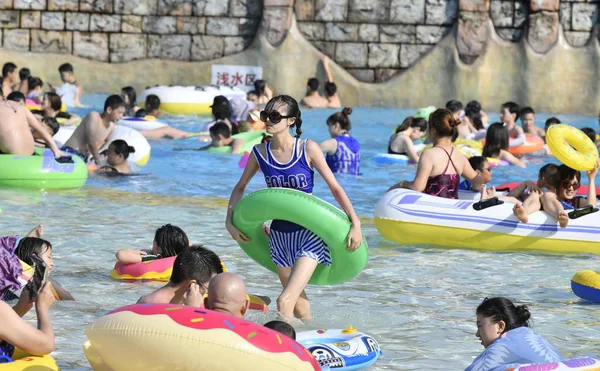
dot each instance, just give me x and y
(42, 170)
(251, 138)
(322, 218)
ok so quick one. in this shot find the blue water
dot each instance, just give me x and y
(418, 302)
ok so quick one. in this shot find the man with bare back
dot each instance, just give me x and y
(16, 123)
(94, 130)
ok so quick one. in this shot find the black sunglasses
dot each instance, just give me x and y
(273, 116)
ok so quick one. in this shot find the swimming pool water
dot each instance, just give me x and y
(418, 302)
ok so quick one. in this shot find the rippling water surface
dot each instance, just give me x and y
(418, 302)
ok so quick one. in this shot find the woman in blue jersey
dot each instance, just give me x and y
(342, 151)
(287, 161)
(503, 329)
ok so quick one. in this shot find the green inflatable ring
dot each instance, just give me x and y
(252, 138)
(324, 219)
(41, 170)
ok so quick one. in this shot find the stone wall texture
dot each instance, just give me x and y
(373, 40)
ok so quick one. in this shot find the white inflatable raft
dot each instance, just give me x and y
(141, 123)
(410, 217)
(190, 100)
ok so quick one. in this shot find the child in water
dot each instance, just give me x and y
(287, 161)
(220, 135)
(116, 158)
(401, 142)
(169, 240)
(528, 122)
(342, 151)
(496, 145)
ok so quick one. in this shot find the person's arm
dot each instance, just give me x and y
(329, 146)
(520, 139)
(424, 169)
(236, 194)
(412, 151)
(268, 92)
(130, 256)
(510, 158)
(78, 95)
(24, 304)
(236, 146)
(318, 162)
(520, 189)
(327, 69)
(22, 335)
(591, 199)
(37, 126)
(96, 136)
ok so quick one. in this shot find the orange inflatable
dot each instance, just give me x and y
(532, 144)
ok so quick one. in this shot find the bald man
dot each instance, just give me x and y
(227, 294)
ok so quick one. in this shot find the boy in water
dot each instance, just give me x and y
(313, 99)
(152, 105)
(509, 114)
(282, 327)
(71, 90)
(95, 128)
(169, 240)
(24, 75)
(9, 77)
(220, 134)
(528, 122)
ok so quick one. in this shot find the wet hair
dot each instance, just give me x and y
(172, 240)
(16, 96)
(34, 82)
(411, 122)
(152, 102)
(8, 67)
(66, 67)
(196, 263)
(260, 86)
(114, 102)
(443, 122)
(341, 118)
(313, 84)
(526, 111)
(551, 121)
(513, 108)
(121, 148)
(473, 112)
(330, 88)
(502, 309)
(221, 110)
(129, 92)
(141, 113)
(252, 92)
(496, 140)
(591, 133)
(454, 106)
(54, 100)
(52, 124)
(282, 327)
(292, 109)
(563, 174)
(220, 128)
(24, 73)
(548, 171)
(477, 162)
(30, 246)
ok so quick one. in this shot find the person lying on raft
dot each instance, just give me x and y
(193, 270)
(503, 329)
(434, 175)
(169, 240)
(116, 158)
(401, 142)
(94, 130)
(220, 135)
(227, 294)
(496, 145)
(161, 132)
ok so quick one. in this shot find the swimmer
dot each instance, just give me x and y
(227, 294)
(264, 93)
(51, 105)
(401, 142)
(282, 327)
(482, 167)
(221, 137)
(531, 193)
(51, 126)
(504, 331)
(9, 77)
(71, 90)
(29, 247)
(252, 97)
(23, 86)
(509, 114)
(496, 145)
(342, 151)
(313, 99)
(35, 92)
(434, 174)
(169, 240)
(94, 130)
(330, 86)
(16, 124)
(528, 122)
(152, 105)
(193, 270)
(17, 97)
(566, 183)
(116, 158)
(476, 119)
(130, 97)
(551, 121)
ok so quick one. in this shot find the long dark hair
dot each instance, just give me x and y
(502, 309)
(30, 246)
(292, 109)
(171, 240)
(131, 95)
(496, 140)
(473, 112)
(341, 118)
(121, 148)
(411, 122)
(260, 86)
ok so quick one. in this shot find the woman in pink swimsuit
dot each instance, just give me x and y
(440, 167)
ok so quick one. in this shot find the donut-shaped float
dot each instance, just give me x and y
(575, 364)
(572, 147)
(532, 144)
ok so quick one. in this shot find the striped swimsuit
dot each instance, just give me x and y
(289, 241)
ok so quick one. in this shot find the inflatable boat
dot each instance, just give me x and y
(410, 217)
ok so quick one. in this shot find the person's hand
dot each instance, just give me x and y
(58, 153)
(531, 186)
(354, 238)
(592, 173)
(237, 235)
(45, 298)
(193, 297)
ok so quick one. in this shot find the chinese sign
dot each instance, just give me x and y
(242, 77)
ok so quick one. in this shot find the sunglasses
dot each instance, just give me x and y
(273, 116)
(566, 184)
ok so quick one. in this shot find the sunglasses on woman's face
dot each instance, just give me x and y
(566, 185)
(273, 116)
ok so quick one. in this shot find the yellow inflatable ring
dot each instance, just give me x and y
(26, 361)
(572, 147)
